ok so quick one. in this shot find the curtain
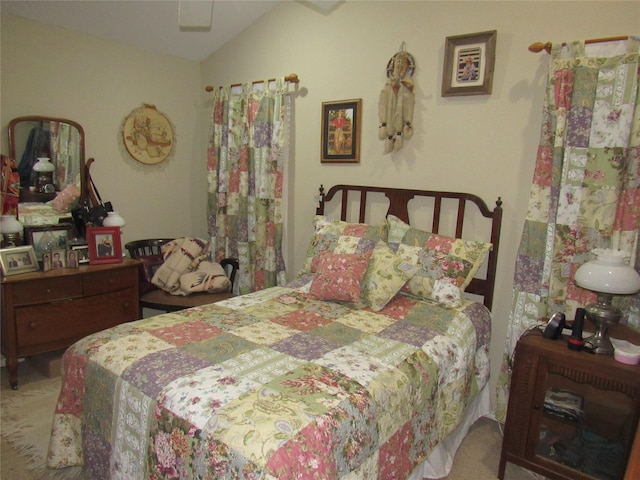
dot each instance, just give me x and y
(65, 152)
(586, 187)
(246, 160)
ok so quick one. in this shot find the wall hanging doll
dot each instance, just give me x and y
(396, 103)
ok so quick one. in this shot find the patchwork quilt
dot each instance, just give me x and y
(271, 385)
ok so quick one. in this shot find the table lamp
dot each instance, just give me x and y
(607, 275)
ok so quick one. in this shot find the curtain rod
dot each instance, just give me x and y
(539, 46)
(291, 78)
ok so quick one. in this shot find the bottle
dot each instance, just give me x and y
(44, 175)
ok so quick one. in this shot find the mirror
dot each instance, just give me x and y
(60, 140)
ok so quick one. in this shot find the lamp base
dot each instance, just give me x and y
(598, 344)
(602, 314)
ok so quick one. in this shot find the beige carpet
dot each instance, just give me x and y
(26, 416)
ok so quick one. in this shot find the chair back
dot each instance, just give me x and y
(149, 246)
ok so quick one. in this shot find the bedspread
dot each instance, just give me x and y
(274, 384)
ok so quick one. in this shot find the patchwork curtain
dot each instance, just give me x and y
(586, 187)
(245, 168)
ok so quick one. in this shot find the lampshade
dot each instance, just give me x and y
(10, 224)
(608, 273)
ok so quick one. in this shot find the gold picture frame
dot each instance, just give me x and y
(341, 126)
(18, 260)
(469, 62)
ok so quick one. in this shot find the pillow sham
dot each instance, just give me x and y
(386, 274)
(336, 236)
(339, 276)
(446, 264)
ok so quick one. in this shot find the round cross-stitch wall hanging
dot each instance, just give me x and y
(148, 135)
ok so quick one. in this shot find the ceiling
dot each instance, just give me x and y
(151, 24)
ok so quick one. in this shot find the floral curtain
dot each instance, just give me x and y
(246, 158)
(586, 186)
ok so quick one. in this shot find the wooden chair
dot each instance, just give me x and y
(158, 299)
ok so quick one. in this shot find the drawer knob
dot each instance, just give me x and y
(33, 325)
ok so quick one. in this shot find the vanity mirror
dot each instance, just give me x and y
(58, 139)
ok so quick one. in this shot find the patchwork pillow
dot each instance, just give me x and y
(336, 236)
(339, 276)
(386, 274)
(447, 265)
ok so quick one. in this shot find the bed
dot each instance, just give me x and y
(372, 363)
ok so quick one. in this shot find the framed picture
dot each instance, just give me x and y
(72, 259)
(82, 253)
(341, 131)
(58, 258)
(48, 237)
(469, 61)
(18, 260)
(104, 245)
(46, 261)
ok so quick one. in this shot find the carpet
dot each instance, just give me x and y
(27, 415)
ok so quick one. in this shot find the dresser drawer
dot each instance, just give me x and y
(109, 281)
(59, 324)
(48, 290)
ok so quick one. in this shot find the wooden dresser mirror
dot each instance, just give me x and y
(59, 139)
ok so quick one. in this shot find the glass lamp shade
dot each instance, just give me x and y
(114, 219)
(10, 224)
(608, 273)
(11, 229)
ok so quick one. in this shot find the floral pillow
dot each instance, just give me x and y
(386, 274)
(339, 276)
(336, 236)
(446, 265)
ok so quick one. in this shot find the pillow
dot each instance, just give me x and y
(339, 276)
(336, 236)
(65, 199)
(150, 263)
(386, 274)
(447, 265)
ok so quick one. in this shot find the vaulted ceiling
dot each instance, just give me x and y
(151, 24)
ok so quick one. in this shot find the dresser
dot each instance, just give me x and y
(47, 311)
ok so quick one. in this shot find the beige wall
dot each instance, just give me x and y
(481, 144)
(57, 72)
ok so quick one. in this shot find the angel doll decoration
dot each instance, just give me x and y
(396, 102)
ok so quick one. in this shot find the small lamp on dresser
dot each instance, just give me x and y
(607, 275)
(11, 230)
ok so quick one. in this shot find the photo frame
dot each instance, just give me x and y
(82, 252)
(469, 62)
(72, 258)
(18, 260)
(340, 131)
(58, 258)
(48, 236)
(105, 245)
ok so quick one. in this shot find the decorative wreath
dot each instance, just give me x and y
(396, 102)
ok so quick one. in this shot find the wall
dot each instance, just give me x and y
(57, 72)
(481, 144)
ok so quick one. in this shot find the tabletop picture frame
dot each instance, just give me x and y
(105, 245)
(340, 131)
(469, 62)
(61, 234)
(18, 260)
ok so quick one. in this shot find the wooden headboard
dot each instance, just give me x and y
(399, 206)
